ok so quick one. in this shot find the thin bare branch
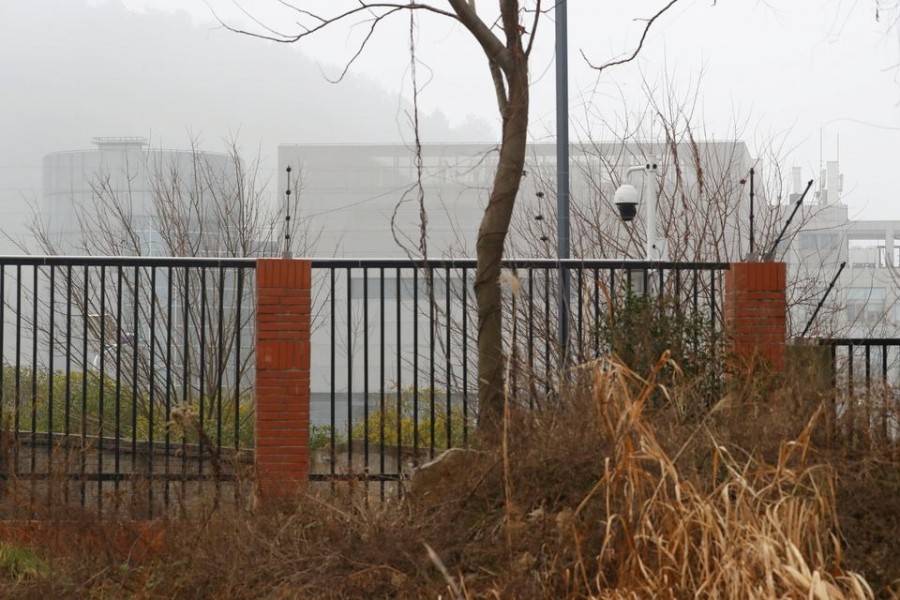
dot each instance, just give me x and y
(323, 22)
(640, 45)
(362, 46)
(534, 26)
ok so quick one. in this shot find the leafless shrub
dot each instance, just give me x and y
(601, 498)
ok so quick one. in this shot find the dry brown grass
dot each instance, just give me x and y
(598, 498)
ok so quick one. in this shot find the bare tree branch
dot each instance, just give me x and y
(323, 22)
(499, 85)
(640, 45)
(489, 42)
(534, 26)
(362, 46)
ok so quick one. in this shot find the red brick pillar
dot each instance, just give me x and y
(756, 311)
(282, 375)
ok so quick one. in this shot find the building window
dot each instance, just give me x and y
(865, 305)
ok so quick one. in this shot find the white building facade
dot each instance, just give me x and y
(123, 199)
(366, 202)
(125, 189)
(865, 300)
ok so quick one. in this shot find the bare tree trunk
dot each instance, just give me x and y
(508, 62)
(491, 240)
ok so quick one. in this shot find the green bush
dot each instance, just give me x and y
(641, 328)
(400, 428)
(320, 437)
(61, 404)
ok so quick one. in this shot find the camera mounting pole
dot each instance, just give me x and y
(626, 200)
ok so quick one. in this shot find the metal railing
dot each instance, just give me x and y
(394, 347)
(865, 373)
(126, 382)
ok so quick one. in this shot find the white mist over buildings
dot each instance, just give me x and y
(109, 199)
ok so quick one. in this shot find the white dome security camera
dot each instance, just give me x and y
(626, 200)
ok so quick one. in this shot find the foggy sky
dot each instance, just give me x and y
(777, 73)
(71, 72)
(789, 71)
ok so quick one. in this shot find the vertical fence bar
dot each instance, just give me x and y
(834, 381)
(676, 294)
(415, 393)
(400, 440)
(513, 349)
(118, 382)
(465, 355)
(695, 294)
(34, 376)
(578, 296)
(333, 365)
(449, 365)
(661, 280)
(381, 395)
(201, 375)
(530, 335)
(612, 291)
(135, 346)
(595, 326)
(50, 380)
(170, 276)
(712, 303)
(349, 369)
(431, 344)
(220, 362)
(868, 354)
(547, 330)
(868, 384)
(186, 395)
(18, 370)
(67, 429)
(84, 389)
(238, 328)
(365, 282)
(851, 413)
(151, 392)
(885, 395)
(100, 401)
(236, 340)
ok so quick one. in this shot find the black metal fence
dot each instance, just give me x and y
(125, 381)
(865, 373)
(394, 345)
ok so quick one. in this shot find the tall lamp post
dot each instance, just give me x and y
(626, 200)
(562, 173)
